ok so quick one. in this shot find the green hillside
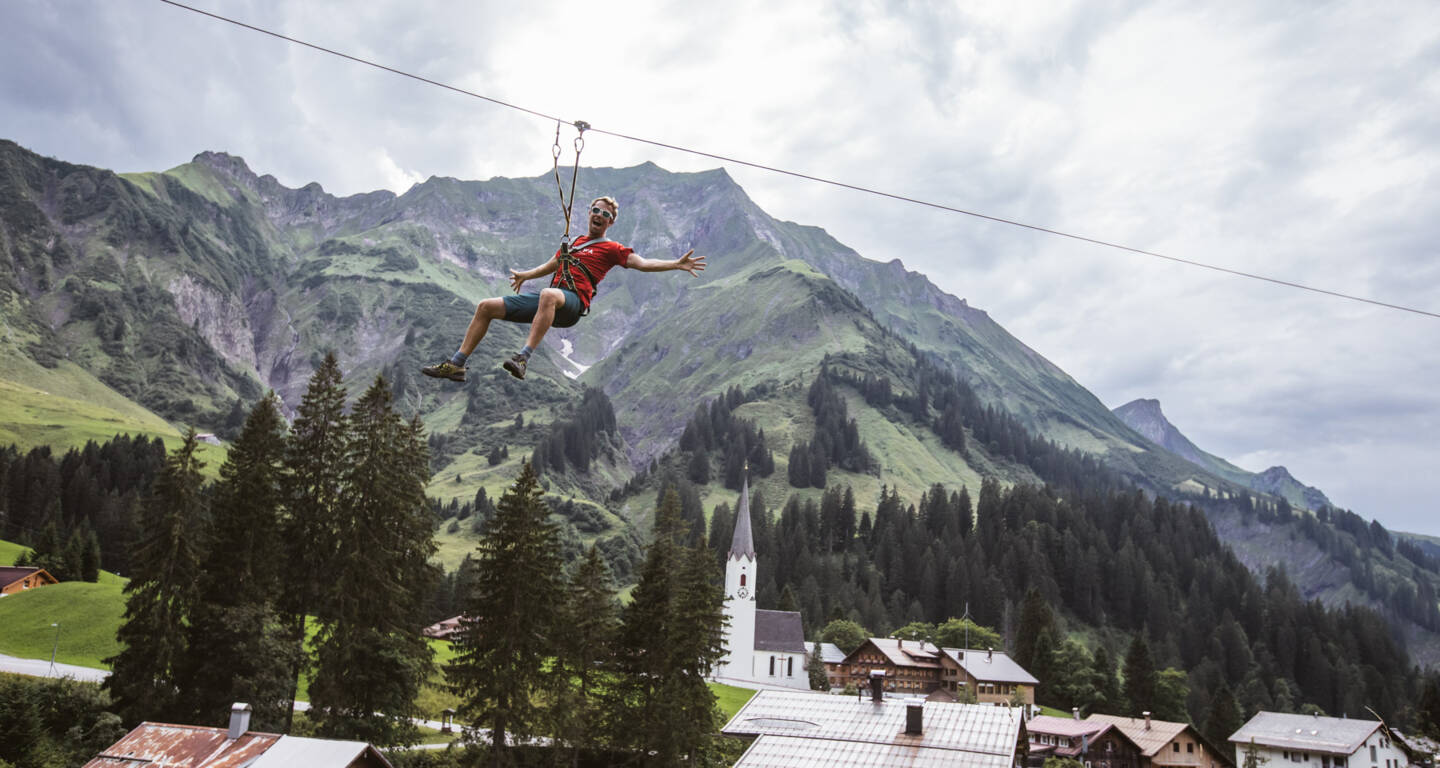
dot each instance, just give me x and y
(146, 302)
(11, 553)
(88, 615)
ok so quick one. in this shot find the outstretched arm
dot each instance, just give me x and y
(518, 279)
(689, 262)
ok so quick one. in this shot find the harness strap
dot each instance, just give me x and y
(565, 276)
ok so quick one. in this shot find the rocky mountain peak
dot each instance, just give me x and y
(228, 165)
(1144, 416)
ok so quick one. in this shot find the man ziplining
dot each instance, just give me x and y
(577, 274)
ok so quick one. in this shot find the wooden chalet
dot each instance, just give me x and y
(920, 668)
(15, 579)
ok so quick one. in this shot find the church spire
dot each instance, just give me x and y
(743, 544)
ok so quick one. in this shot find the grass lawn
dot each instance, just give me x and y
(730, 698)
(88, 615)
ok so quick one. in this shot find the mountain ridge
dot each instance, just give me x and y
(1146, 417)
(196, 288)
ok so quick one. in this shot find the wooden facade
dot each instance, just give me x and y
(14, 580)
(919, 668)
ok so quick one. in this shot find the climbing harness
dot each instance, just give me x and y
(565, 274)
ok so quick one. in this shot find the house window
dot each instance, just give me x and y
(1176, 745)
(1372, 753)
(1189, 748)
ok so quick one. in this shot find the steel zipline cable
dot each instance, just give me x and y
(807, 177)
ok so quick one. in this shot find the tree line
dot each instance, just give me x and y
(546, 654)
(77, 512)
(722, 445)
(310, 554)
(1124, 563)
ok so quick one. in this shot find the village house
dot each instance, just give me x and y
(920, 668)
(15, 579)
(992, 675)
(445, 629)
(798, 729)
(161, 745)
(1164, 744)
(1095, 744)
(834, 660)
(1313, 741)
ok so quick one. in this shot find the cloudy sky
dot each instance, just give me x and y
(1298, 140)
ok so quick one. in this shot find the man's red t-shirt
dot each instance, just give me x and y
(598, 258)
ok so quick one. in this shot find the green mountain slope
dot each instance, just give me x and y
(162, 299)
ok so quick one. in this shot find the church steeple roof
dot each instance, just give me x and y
(743, 544)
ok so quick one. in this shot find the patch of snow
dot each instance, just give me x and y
(566, 350)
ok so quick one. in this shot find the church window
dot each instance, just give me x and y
(742, 579)
(772, 666)
(790, 667)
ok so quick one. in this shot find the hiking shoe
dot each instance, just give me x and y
(445, 370)
(516, 365)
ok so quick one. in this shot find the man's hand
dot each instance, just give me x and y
(517, 279)
(691, 263)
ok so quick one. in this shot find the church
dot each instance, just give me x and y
(766, 647)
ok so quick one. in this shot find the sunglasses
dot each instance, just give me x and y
(598, 211)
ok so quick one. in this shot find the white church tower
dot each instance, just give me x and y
(740, 570)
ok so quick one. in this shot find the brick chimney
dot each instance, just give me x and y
(1075, 711)
(1147, 720)
(877, 685)
(239, 720)
(915, 718)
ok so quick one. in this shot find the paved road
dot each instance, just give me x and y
(42, 668)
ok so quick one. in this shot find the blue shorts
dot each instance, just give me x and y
(521, 308)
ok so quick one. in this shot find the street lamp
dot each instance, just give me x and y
(54, 646)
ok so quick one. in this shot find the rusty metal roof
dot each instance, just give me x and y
(160, 745)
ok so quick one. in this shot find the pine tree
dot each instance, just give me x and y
(236, 645)
(371, 658)
(1107, 688)
(1140, 677)
(1035, 619)
(671, 638)
(510, 625)
(314, 464)
(591, 622)
(815, 668)
(1225, 716)
(165, 568)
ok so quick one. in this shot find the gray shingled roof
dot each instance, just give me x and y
(1311, 733)
(990, 667)
(830, 653)
(779, 631)
(743, 544)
